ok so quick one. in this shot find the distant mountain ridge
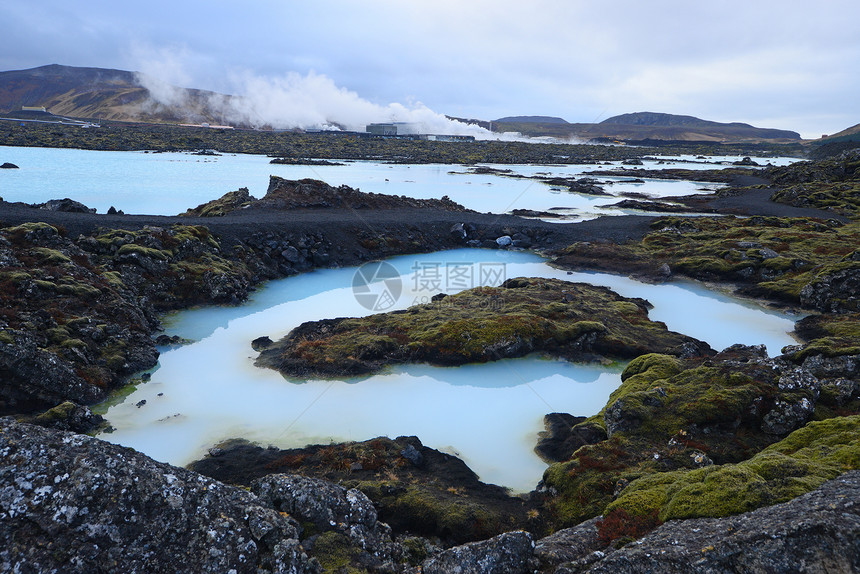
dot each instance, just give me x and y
(649, 126)
(532, 120)
(665, 120)
(107, 94)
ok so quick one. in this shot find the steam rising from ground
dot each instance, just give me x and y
(312, 101)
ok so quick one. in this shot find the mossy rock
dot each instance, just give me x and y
(669, 416)
(50, 256)
(73, 344)
(142, 251)
(799, 463)
(57, 334)
(191, 233)
(29, 231)
(220, 207)
(571, 320)
(765, 256)
(450, 515)
(113, 279)
(666, 399)
(60, 412)
(81, 290)
(16, 277)
(829, 335)
(840, 197)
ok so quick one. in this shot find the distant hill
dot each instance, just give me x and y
(848, 134)
(531, 120)
(665, 120)
(833, 145)
(100, 93)
(651, 126)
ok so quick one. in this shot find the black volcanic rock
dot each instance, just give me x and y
(564, 434)
(73, 503)
(65, 205)
(314, 194)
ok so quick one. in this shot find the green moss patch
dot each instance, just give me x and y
(798, 464)
(140, 250)
(336, 553)
(47, 255)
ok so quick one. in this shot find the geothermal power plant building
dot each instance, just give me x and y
(410, 130)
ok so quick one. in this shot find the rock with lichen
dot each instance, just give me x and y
(508, 553)
(73, 503)
(345, 516)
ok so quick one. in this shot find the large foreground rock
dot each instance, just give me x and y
(816, 532)
(72, 503)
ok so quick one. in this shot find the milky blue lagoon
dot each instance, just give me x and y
(488, 414)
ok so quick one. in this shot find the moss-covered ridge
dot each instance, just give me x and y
(832, 183)
(572, 320)
(179, 266)
(768, 257)
(670, 416)
(796, 465)
(77, 315)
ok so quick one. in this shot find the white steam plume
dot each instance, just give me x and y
(312, 101)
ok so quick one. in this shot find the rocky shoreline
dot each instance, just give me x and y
(696, 442)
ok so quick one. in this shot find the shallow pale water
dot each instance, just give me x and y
(488, 414)
(170, 183)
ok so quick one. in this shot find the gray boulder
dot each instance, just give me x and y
(332, 508)
(569, 544)
(835, 292)
(314, 500)
(508, 553)
(73, 503)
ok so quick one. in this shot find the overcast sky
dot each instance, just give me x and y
(785, 64)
